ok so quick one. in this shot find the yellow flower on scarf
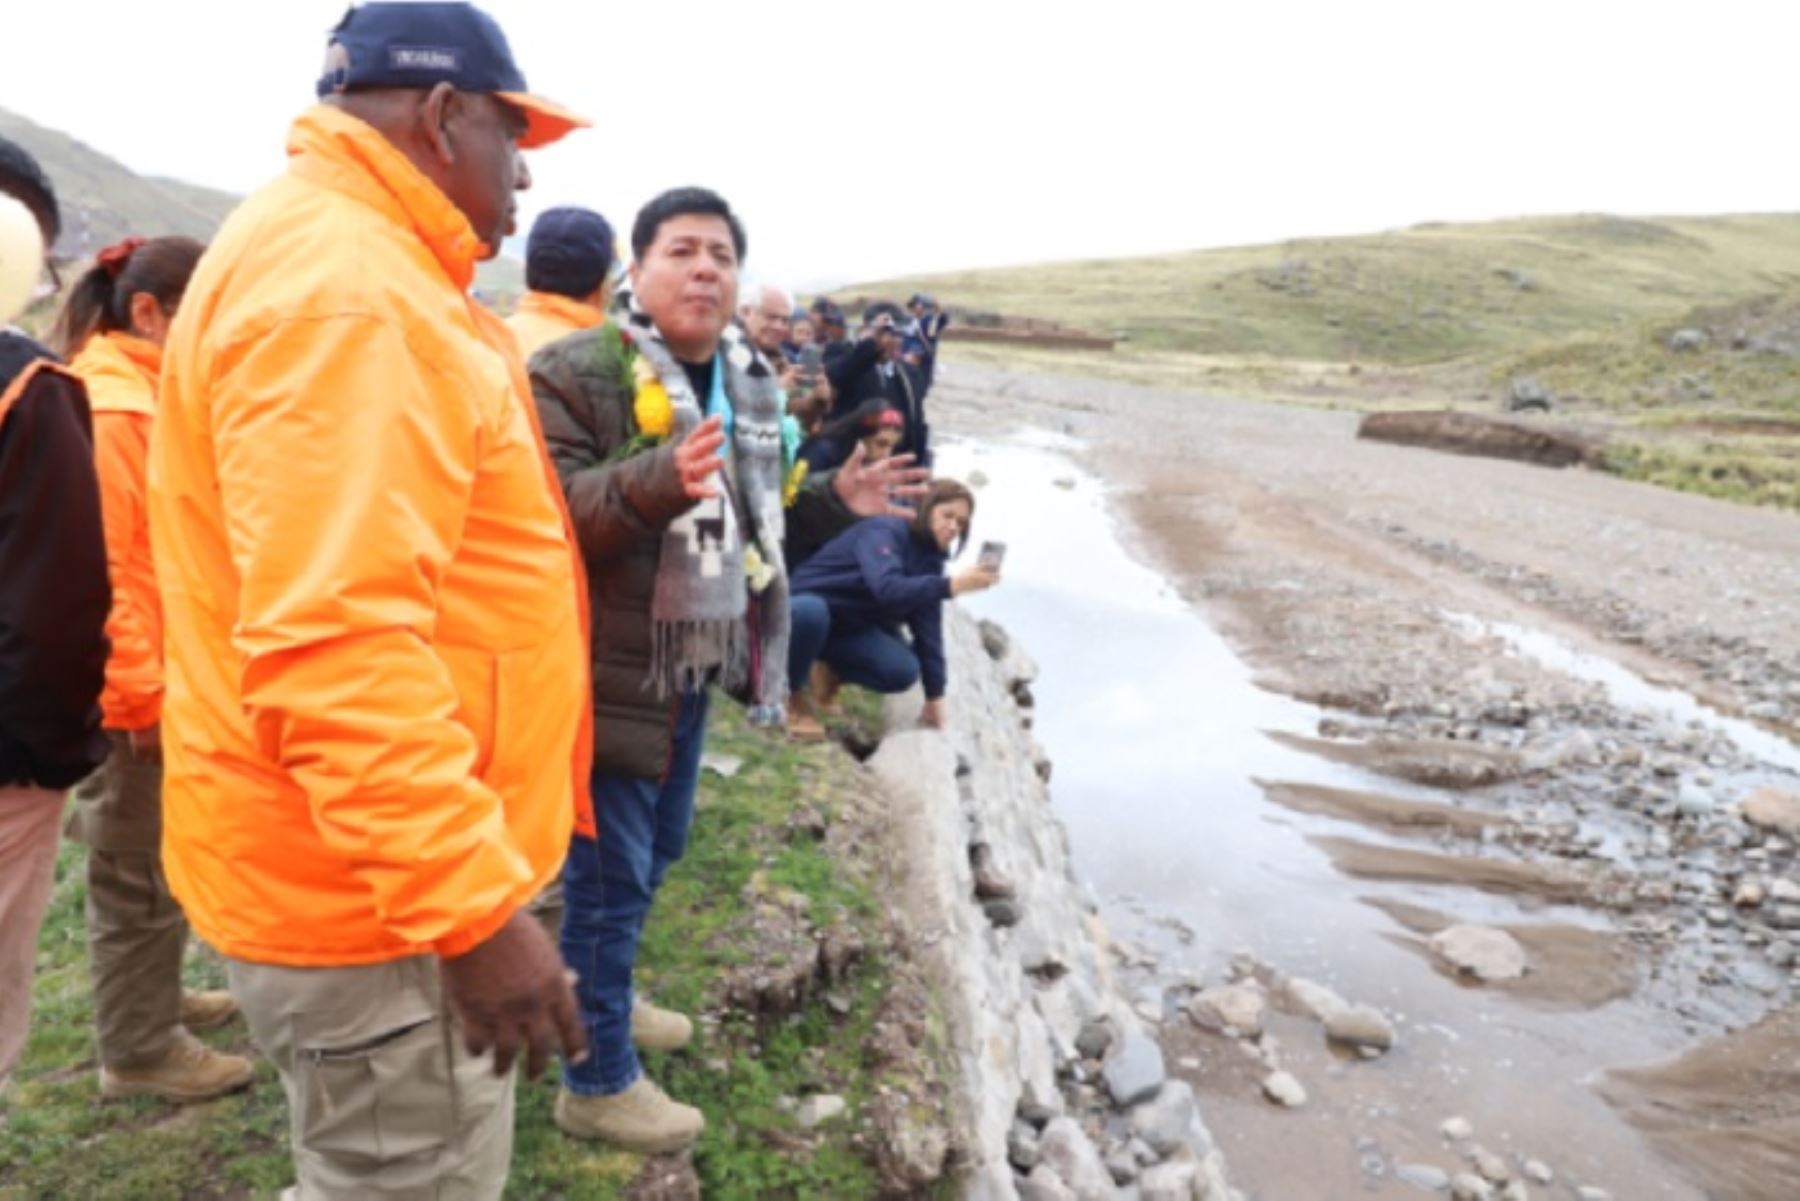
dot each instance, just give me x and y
(759, 574)
(791, 490)
(654, 411)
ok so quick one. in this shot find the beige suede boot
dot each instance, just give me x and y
(642, 1119)
(190, 1071)
(657, 1029)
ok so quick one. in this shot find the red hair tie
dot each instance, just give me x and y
(114, 257)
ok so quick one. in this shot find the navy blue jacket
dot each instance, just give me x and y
(878, 573)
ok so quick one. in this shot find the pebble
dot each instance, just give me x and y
(1134, 1072)
(1233, 1007)
(1283, 1089)
(1022, 1147)
(1590, 1193)
(1095, 1037)
(1457, 1129)
(1490, 1166)
(1362, 1027)
(1538, 1172)
(1423, 1176)
(1481, 951)
(1749, 895)
(1785, 892)
(819, 1109)
(1470, 1187)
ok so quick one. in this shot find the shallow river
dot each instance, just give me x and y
(1159, 738)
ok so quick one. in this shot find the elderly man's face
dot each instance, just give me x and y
(770, 320)
(687, 283)
(488, 170)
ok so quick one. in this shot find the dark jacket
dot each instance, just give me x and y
(817, 516)
(619, 511)
(901, 388)
(54, 594)
(879, 573)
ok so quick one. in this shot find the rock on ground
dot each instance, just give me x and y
(1171, 1121)
(1773, 809)
(1135, 1069)
(1361, 1026)
(1236, 1007)
(1177, 1181)
(1283, 1089)
(1481, 951)
(1068, 1152)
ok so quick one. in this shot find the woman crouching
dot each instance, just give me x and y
(853, 596)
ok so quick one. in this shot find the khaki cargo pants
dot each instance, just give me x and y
(383, 1101)
(136, 931)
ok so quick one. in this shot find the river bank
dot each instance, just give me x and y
(1465, 738)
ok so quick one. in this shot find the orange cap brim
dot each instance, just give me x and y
(545, 120)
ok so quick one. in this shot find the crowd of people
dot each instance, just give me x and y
(376, 635)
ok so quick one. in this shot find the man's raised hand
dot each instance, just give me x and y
(697, 458)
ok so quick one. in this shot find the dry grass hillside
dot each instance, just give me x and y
(1679, 338)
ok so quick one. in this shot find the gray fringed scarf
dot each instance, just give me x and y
(705, 618)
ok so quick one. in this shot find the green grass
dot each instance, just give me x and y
(59, 1141)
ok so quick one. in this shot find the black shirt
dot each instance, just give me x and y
(700, 379)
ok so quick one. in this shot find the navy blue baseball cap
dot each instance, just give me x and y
(570, 252)
(405, 45)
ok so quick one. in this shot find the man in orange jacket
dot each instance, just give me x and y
(570, 266)
(376, 697)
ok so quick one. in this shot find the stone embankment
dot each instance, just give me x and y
(1064, 1091)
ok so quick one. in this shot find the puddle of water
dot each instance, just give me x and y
(1158, 733)
(1628, 690)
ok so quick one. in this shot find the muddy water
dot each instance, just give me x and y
(1160, 738)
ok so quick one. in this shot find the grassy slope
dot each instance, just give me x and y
(1441, 315)
(58, 1141)
(103, 200)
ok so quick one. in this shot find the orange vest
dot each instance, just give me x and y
(120, 374)
(543, 317)
(377, 680)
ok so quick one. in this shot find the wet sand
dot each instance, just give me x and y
(1728, 1112)
(1571, 967)
(1370, 861)
(1378, 810)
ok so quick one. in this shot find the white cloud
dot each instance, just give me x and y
(875, 139)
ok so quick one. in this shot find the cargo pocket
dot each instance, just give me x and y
(376, 1097)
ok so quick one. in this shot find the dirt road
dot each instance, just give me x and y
(1558, 688)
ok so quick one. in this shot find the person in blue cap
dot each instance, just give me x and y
(571, 268)
(363, 795)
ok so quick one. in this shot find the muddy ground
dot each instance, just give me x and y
(1570, 684)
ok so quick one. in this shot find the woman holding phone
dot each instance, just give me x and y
(853, 597)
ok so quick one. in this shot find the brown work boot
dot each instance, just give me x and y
(190, 1071)
(825, 685)
(802, 726)
(990, 884)
(657, 1029)
(207, 1010)
(641, 1119)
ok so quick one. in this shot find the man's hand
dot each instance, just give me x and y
(873, 489)
(511, 992)
(697, 458)
(932, 715)
(146, 744)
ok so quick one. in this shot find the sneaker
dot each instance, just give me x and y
(802, 726)
(191, 1071)
(642, 1119)
(657, 1029)
(207, 1010)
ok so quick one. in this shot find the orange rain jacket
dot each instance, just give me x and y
(377, 698)
(120, 373)
(543, 317)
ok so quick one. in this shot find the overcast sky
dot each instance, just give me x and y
(862, 140)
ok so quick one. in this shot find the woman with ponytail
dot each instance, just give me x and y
(112, 329)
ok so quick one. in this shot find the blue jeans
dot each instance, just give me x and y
(607, 889)
(869, 657)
